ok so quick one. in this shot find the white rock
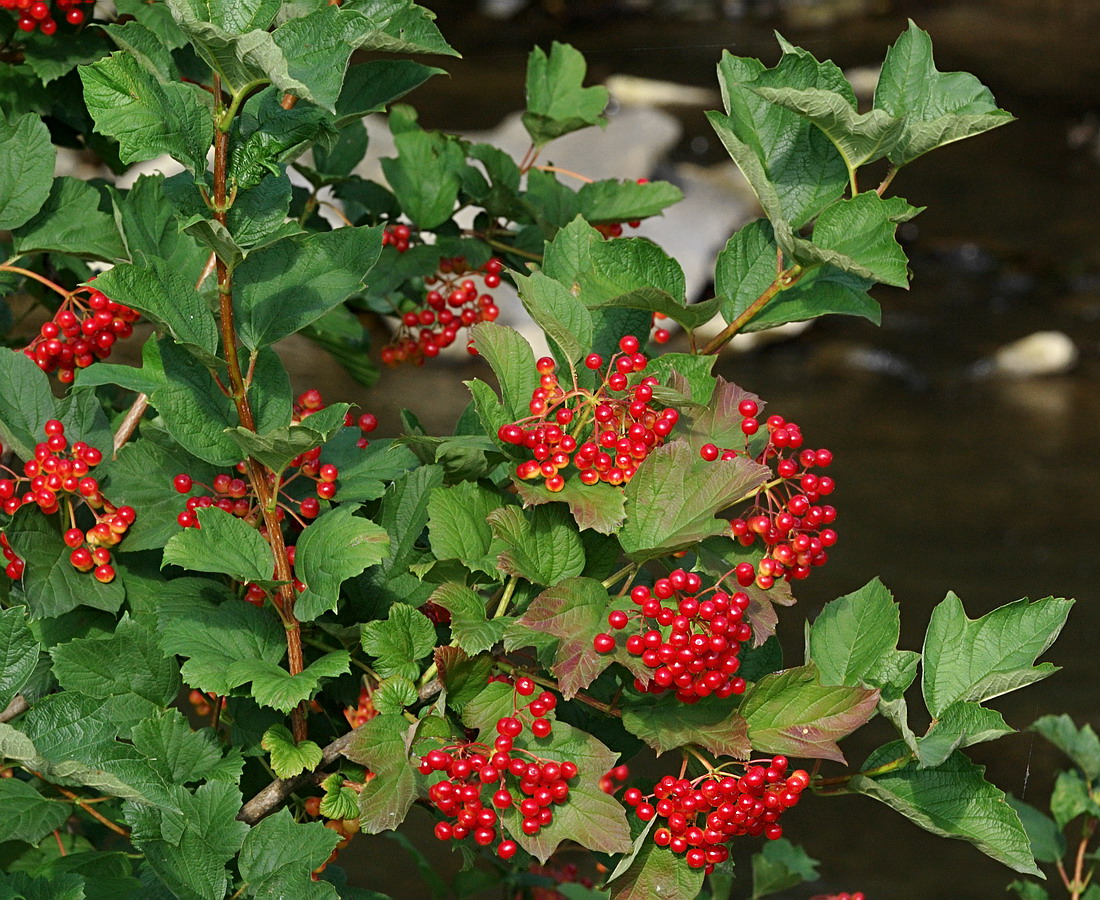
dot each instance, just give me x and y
(630, 90)
(1041, 353)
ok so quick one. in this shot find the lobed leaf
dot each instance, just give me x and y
(289, 757)
(1081, 745)
(397, 642)
(336, 546)
(471, 628)
(71, 222)
(666, 723)
(556, 101)
(542, 545)
(222, 543)
(278, 856)
(26, 168)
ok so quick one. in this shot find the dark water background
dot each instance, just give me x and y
(985, 487)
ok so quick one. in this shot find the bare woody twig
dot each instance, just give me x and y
(275, 794)
(18, 705)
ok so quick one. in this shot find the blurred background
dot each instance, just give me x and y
(960, 466)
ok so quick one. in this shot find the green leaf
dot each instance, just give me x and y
(792, 712)
(182, 755)
(71, 222)
(21, 886)
(610, 200)
(951, 800)
(780, 865)
(600, 507)
(222, 543)
(1029, 890)
(960, 725)
(463, 677)
(26, 405)
(1071, 798)
(51, 586)
(937, 107)
(141, 476)
(146, 46)
(457, 525)
(404, 514)
(392, 696)
(72, 740)
(556, 101)
(852, 635)
(216, 638)
(657, 872)
(146, 116)
(156, 290)
(513, 363)
(18, 653)
(860, 138)
(856, 236)
(672, 499)
(592, 818)
(195, 411)
(666, 723)
(188, 850)
(236, 18)
(318, 47)
(26, 168)
(980, 659)
(397, 642)
(364, 472)
(425, 176)
(747, 267)
(572, 610)
(277, 449)
(1048, 844)
(386, 799)
(289, 758)
(470, 626)
(371, 86)
(558, 312)
(282, 288)
(399, 26)
(129, 662)
(791, 165)
(336, 546)
(151, 228)
(278, 855)
(340, 801)
(274, 686)
(542, 545)
(1080, 744)
(28, 816)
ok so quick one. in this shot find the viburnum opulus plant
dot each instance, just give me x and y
(489, 623)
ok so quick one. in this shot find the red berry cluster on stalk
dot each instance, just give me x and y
(58, 480)
(234, 494)
(700, 817)
(475, 770)
(605, 434)
(786, 516)
(453, 301)
(614, 779)
(397, 236)
(38, 14)
(364, 711)
(700, 655)
(82, 330)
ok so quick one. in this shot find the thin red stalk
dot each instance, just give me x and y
(258, 475)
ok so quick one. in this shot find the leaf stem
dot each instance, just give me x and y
(91, 810)
(562, 171)
(506, 597)
(258, 474)
(889, 177)
(41, 279)
(785, 279)
(625, 570)
(843, 780)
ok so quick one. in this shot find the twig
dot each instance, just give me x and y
(92, 811)
(274, 795)
(130, 422)
(17, 706)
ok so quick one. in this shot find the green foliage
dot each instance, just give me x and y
(422, 567)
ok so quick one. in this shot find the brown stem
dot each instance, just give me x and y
(91, 811)
(27, 273)
(274, 795)
(562, 171)
(258, 474)
(783, 280)
(130, 422)
(890, 173)
(1079, 880)
(17, 706)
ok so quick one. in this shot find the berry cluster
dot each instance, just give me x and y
(614, 779)
(82, 330)
(786, 516)
(234, 495)
(39, 14)
(699, 657)
(605, 434)
(397, 236)
(453, 301)
(57, 479)
(471, 769)
(702, 816)
(364, 711)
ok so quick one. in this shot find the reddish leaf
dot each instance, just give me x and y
(665, 723)
(791, 712)
(600, 507)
